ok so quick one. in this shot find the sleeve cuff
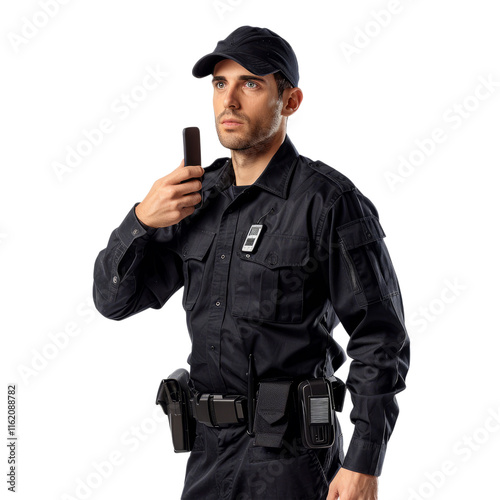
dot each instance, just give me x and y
(365, 457)
(149, 230)
(131, 228)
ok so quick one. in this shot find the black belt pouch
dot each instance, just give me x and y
(173, 396)
(271, 415)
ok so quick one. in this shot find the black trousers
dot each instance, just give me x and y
(225, 465)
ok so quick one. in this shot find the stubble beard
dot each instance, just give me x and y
(257, 138)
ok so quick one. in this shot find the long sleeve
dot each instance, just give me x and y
(365, 295)
(137, 270)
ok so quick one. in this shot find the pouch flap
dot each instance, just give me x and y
(271, 419)
(360, 232)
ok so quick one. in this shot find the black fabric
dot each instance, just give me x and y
(226, 465)
(321, 259)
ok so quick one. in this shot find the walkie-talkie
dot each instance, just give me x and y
(192, 150)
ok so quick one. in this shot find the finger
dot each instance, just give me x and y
(188, 203)
(190, 200)
(182, 173)
(191, 186)
(333, 493)
(194, 171)
(186, 211)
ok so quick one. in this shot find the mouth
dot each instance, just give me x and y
(231, 123)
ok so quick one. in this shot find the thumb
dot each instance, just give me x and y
(333, 493)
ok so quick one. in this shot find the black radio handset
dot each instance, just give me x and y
(192, 149)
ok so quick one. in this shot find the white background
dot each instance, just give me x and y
(81, 403)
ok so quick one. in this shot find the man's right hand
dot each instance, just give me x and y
(169, 201)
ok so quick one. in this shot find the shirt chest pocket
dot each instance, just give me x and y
(269, 284)
(195, 254)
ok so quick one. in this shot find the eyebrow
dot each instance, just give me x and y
(241, 77)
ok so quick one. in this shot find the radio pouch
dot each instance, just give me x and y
(318, 399)
(173, 396)
(271, 416)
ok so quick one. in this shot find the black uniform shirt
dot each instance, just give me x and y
(320, 258)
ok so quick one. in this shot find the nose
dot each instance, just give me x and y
(231, 97)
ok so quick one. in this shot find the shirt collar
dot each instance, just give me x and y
(274, 178)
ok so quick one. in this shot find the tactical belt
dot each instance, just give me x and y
(277, 403)
(271, 415)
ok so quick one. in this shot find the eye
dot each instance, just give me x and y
(252, 85)
(218, 85)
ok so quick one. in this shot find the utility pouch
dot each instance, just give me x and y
(173, 396)
(271, 415)
(318, 398)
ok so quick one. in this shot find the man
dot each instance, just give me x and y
(319, 259)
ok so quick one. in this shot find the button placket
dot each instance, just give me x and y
(223, 249)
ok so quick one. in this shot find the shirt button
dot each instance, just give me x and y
(217, 303)
(247, 255)
(115, 279)
(135, 231)
(212, 347)
(222, 256)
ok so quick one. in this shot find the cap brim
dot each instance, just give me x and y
(205, 66)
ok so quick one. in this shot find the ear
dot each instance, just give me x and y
(291, 101)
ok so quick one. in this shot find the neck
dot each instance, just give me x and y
(249, 163)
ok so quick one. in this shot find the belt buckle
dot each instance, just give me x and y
(201, 409)
(216, 409)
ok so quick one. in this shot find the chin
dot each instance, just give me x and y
(235, 145)
(230, 141)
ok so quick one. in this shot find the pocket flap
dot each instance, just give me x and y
(360, 232)
(197, 245)
(278, 250)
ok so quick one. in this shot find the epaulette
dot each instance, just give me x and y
(343, 182)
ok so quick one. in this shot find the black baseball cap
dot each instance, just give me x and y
(259, 50)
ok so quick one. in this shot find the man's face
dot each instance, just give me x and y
(246, 106)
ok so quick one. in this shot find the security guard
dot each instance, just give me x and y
(273, 250)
